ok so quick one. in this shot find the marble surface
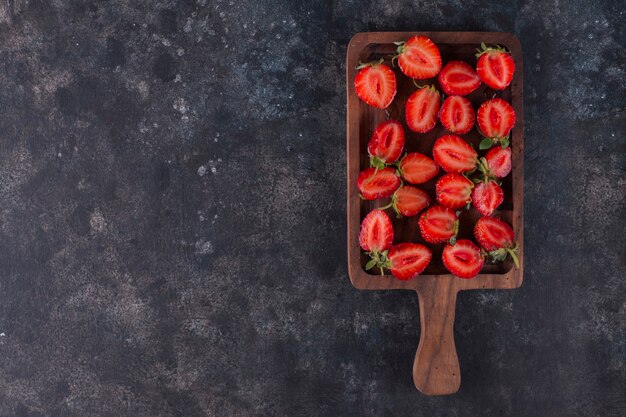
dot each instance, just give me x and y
(172, 216)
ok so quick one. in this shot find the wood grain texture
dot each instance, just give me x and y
(436, 368)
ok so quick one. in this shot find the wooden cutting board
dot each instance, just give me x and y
(436, 368)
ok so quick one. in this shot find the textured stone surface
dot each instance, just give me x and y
(172, 232)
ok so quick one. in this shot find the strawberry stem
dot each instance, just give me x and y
(378, 260)
(514, 256)
(387, 206)
(370, 64)
(489, 48)
(372, 177)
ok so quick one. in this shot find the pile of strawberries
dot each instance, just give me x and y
(470, 180)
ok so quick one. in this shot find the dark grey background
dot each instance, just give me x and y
(172, 213)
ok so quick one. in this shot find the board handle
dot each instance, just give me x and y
(436, 369)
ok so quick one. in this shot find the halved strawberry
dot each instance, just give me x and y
(376, 237)
(407, 260)
(486, 197)
(386, 143)
(376, 234)
(458, 78)
(463, 259)
(419, 57)
(454, 191)
(422, 108)
(495, 119)
(454, 154)
(438, 224)
(417, 168)
(498, 161)
(408, 201)
(495, 66)
(375, 84)
(376, 183)
(457, 114)
(497, 238)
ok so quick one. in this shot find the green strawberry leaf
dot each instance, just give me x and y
(370, 264)
(486, 143)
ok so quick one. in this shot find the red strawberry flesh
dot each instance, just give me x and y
(419, 58)
(495, 67)
(417, 168)
(376, 234)
(486, 197)
(408, 201)
(438, 224)
(387, 141)
(421, 109)
(375, 84)
(457, 114)
(463, 259)
(458, 78)
(455, 155)
(499, 161)
(408, 260)
(454, 190)
(374, 183)
(495, 118)
(492, 234)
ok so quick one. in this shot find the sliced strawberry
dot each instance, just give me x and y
(492, 234)
(408, 201)
(386, 143)
(486, 197)
(422, 108)
(457, 114)
(454, 154)
(499, 161)
(497, 237)
(438, 224)
(463, 259)
(495, 119)
(419, 58)
(376, 233)
(458, 78)
(375, 84)
(407, 260)
(495, 66)
(376, 183)
(454, 191)
(417, 168)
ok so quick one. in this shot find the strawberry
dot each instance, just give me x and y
(458, 78)
(487, 196)
(498, 161)
(495, 66)
(376, 237)
(463, 259)
(386, 144)
(454, 154)
(417, 168)
(454, 191)
(457, 114)
(497, 238)
(376, 233)
(422, 108)
(439, 224)
(495, 119)
(418, 57)
(408, 201)
(375, 84)
(374, 183)
(407, 260)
